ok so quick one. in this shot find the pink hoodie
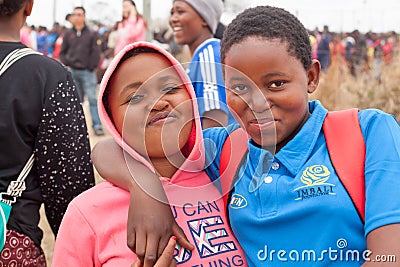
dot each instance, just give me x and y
(93, 231)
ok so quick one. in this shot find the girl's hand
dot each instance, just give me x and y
(150, 226)
(167, 257)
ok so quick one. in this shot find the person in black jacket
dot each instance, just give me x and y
(81, 52)
(40, 113)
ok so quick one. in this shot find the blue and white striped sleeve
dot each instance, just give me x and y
(209, 84)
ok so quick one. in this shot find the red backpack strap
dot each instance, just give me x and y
(346, 149)
(230, 160)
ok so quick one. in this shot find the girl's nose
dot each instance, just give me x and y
(173, 18)
(160, 104)
(258, 102)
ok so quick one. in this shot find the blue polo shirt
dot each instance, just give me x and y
(291, 208)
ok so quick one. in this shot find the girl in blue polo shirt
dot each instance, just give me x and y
(289, 206)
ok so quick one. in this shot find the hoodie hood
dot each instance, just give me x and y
(195, 158)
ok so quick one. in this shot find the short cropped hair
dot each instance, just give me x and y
(10, 7)
(267, 22)
(81, 8)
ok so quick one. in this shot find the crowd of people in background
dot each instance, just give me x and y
(360, 52)
(351, 52)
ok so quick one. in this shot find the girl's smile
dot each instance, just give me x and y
(268, 90)
(162, 118)
(188, 26)
(262, 124)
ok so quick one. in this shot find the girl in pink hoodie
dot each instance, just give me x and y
(132, 27)
(148, 105)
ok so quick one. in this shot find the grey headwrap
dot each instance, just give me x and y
(209, 10)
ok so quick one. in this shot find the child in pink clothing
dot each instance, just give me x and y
(148, 105)
(132, 28)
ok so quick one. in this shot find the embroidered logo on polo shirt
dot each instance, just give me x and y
(315, 179)
(238, 201)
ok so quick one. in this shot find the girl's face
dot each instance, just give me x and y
(150, 106)
(186, 23)
(267, 90)
(128, 9)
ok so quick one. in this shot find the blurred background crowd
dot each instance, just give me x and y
(359, 51)
(357, 62)
(358, 67)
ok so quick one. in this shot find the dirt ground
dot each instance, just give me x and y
(48, 237)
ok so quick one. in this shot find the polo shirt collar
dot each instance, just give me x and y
(293, 155)
(260, 161)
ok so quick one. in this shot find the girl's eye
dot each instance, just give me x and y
(178, 11)
(277, 84)
(171, 89)
(135, 99)
(239, 88)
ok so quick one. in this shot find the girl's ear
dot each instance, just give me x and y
(313, 76)
(204, 24)
(28, 7)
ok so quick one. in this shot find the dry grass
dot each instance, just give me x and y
(339, 90)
